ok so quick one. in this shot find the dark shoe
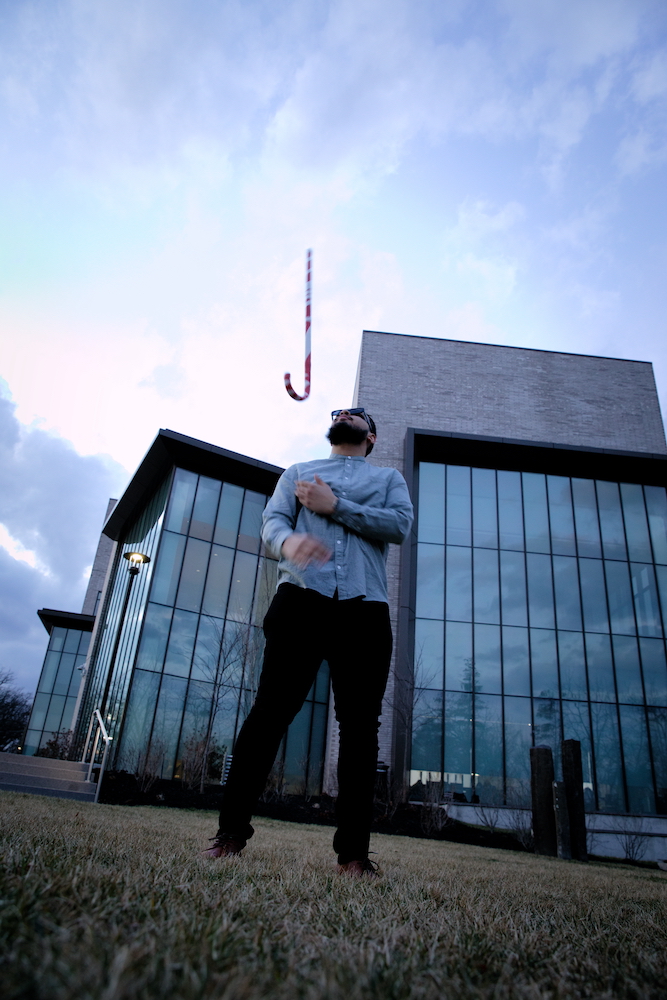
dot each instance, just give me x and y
(359, 869)
(224, 846)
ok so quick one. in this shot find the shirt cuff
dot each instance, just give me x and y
(276, 543)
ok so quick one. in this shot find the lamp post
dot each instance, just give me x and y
(135, 560)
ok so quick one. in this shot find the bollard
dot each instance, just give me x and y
(573, 780)
(541, 781)
(562, 821)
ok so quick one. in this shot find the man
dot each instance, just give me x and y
(330, 522)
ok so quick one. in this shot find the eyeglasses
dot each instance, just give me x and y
(356, 411)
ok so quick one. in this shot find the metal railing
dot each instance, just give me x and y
(96, 726)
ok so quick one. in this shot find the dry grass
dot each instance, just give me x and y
(113, 903)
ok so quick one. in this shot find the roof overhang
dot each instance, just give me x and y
(529, 456)
(65, 619)
(170, 450)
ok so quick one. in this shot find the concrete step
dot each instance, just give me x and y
(12, 763)
(6, 786)
(44, 776)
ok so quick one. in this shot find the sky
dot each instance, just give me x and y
(486, 170)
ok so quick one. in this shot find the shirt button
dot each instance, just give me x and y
(338, 542)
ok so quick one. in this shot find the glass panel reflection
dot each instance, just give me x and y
(518, 740)
(154, 637)
(654, 670)
(251, 521)
(513, 588)
(611, 521)
(205, 508)
(586, 517)
(657, 721)
(646, 599)
(566, 586)
(431, 581)
(607, 749)
(656, 505)
(510, 513)
(458, 740)
(516, 661)
(229, 515)
(544, 663)
(561, 516)
(600, 669)
(487, 659)
(429, 636)
(217, 581)
(181, 501)
(638, 777)
(593, 597)
(636, 527)
(628, 674)
(458, 505)
(458, 656)
(167, 724)
(431, 518)
(243, 584)
(427, 731)
(619, 590)
(181, 643)
(459, 583)
(486, 586)
(572, 665)
(489, 749)
(168, 568)
(540, 591)
(484, 514)
(193, 575)
(536, 519)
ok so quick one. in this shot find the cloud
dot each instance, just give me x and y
(52, 505)
(342, 85)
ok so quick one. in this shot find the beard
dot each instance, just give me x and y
(343, 433)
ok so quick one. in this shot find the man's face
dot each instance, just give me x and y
(352, 419)
(349, 428)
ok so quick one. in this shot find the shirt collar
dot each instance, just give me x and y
(352, 458)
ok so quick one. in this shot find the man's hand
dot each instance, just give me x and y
(302, 550)
(317, 496)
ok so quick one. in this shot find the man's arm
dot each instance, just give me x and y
(389, 523)
(278, 524)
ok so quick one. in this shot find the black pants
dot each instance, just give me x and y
(302, 628)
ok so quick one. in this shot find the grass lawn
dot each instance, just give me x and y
(113, 903)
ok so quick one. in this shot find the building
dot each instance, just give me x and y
(176, 646)
(529, 605)
(59, 686)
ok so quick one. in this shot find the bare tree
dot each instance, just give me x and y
(490, 817)
(58, 747)
(149, 764)
(634, 842)
(228, 664)
(520, 820)
(434, 812)
(15, 708)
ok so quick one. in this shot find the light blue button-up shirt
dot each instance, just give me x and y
(374, 508)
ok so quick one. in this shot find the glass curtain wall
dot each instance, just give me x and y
(58, 687)
(540, 610)
(198, 660)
